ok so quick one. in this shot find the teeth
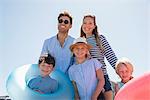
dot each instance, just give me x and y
(44, 71)
(87, 29)
(62, 26)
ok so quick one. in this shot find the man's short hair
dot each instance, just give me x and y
(65, 14)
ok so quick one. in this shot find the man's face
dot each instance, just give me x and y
(64, 24)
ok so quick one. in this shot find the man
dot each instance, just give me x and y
(58, 45)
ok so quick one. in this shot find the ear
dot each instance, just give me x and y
(70, 26)
(89, 55)
(94, 26)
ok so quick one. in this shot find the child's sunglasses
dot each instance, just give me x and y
(65, 21)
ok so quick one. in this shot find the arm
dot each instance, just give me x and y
(76, 90)
(108, 52)
(100, 84)
(116, 88)
(44, 48)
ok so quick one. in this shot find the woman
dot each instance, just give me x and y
(100, 50)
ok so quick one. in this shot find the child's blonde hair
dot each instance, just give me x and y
(126, 62)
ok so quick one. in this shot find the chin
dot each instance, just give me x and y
(45, 74)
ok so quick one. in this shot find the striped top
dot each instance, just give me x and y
(98, 53)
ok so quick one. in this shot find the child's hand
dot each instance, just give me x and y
(42, 56)
(39, 91)
(77, 98)
(94, 97)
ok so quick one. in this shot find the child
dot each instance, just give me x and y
(44, 83)
(124, 69)
(86, 74)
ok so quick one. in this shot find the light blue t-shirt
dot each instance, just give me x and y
(46, 84)
(62, 55)
(120, 84)
(85, 77)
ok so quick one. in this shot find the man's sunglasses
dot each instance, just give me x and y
(65, 21)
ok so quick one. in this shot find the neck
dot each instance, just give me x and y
(44, 75)
(80, 60)
(125, 81)
(89, 34)
(61, 38)
(62, 35)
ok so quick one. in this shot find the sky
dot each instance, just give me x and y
(25, 24)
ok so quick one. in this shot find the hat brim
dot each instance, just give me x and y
(74, 45)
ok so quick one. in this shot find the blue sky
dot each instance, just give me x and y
(25, 24)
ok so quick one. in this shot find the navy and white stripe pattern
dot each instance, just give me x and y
(98, 53)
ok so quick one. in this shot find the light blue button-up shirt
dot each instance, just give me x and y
(85, 77)
(45, 84)
(62, 54)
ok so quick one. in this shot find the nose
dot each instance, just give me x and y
(87, 25)
(44, 67)
(79, 49)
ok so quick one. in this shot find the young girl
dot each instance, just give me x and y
(86, 74)
(124, 69)
(101, 49)
(44, 83)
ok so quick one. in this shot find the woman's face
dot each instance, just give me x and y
(124, 73)
(45, 69)
(88, 25)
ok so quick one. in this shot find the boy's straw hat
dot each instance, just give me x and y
(80, 40)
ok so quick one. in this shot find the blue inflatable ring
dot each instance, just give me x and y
(18, 90)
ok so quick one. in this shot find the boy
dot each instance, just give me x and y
(86, 74)
(44, 83)
(124, 69)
